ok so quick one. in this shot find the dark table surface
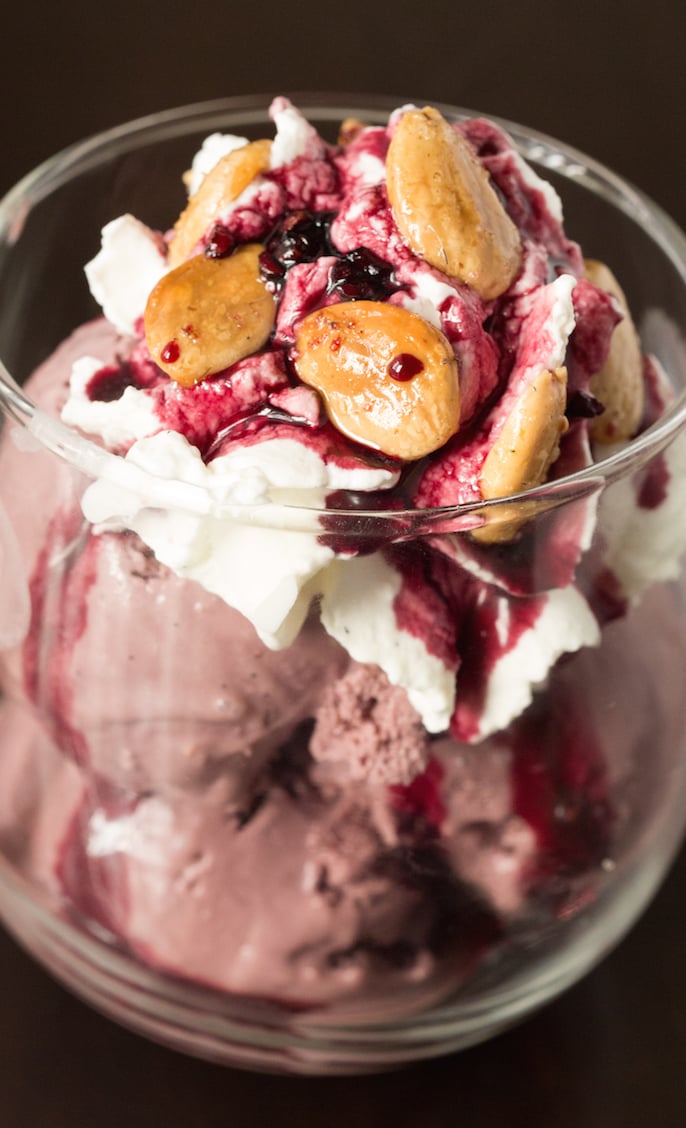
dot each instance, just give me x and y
(608, 77)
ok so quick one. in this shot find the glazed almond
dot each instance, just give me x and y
(219, 188)
(619, 384)
(388, 378)
(207, 314)
(349, 129)
(525, 448)
(445, 207)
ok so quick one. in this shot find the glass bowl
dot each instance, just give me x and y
(171, 850)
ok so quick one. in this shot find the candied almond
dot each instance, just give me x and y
(220, 187)
(207, 314)
(619, 384)
(388, 378)
(349, 129)
(445, 206)
(524, 451)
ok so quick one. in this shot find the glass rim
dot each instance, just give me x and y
(243, 110)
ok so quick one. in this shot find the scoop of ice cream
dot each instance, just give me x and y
(368, 723)
(166, 706)
(361, 920)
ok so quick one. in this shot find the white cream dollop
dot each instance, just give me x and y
(130, 262)
(565, 624)
(117, 422)
(357, 609)
(295, 136)
(645, 545)
(212, 150)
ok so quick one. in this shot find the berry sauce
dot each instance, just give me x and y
(300, 236)
(560, 784)
(220, 243)
(304, 237)
(582, 404)
(422, 797)
(110, 382)
(360, 275)
(654, 483)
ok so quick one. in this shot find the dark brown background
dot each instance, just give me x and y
(606, 77)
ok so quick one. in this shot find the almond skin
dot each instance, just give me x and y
(220, 187)
(445, 207)
(388, 378)
(207, 314)
(349, 129)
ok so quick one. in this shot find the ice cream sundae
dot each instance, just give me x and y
(298, 708)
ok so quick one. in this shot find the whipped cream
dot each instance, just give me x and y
(130, 262)
(269, 575)
(212, 150)
(565, 624)
(118, 422)
(357, 610)
(644, 544)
